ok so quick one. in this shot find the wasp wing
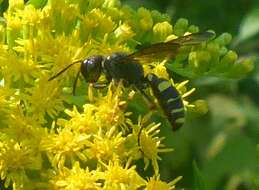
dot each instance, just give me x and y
(193, 39)
(163, 50)
(156, 52)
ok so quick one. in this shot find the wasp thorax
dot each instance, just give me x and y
(91, 68)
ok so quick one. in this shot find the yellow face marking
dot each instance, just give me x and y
(177, 110)
(164, 85)
(180, 120)
(173, 99)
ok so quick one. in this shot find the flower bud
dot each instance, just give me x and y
(201, 107)
(124, 32)
(224, 39)
(180, 26)
(193, 29)
(15, 4)
(227, 61)
(161, 30)
(111, 3)
(145, 19)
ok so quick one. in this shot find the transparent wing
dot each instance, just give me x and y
(193, 39)
(170, 49)
(156, 52)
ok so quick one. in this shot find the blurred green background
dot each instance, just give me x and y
(217, 151)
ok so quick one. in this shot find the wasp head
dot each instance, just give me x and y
(91, 68)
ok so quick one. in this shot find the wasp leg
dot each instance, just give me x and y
(75, 82)
(149, 101)
(139, 135)
(151, 106)
(100, 85)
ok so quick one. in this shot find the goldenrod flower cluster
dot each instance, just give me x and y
(51, 140)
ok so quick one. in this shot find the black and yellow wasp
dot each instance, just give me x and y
(127, 68)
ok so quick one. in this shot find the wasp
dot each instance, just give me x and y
(128, 68)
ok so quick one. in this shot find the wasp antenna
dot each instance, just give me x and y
(63, 70)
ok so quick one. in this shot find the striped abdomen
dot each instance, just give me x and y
(169, 100)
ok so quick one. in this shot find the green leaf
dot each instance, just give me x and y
(249, 26)
(3, 6)
(76, 100)
(181, 70)
(199, 183)
(37, 3)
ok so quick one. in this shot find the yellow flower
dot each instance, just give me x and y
(107, 47)
(150, 144)
(154, 183)
(64, 146)
(158, 69)
(110, 108)
(15, 158)
(45, 98)
(49, 50)
(29, 15)
(75, 179)
(123, 33)
(97, 23)
(18, 69)
(14, 4)
(81, 122)
(117, 177)
(182, 89)
(5, 104)
(105, 145)
(24, 127)
(14, 23)
(112, 3)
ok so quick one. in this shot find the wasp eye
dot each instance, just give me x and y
(91, 68)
